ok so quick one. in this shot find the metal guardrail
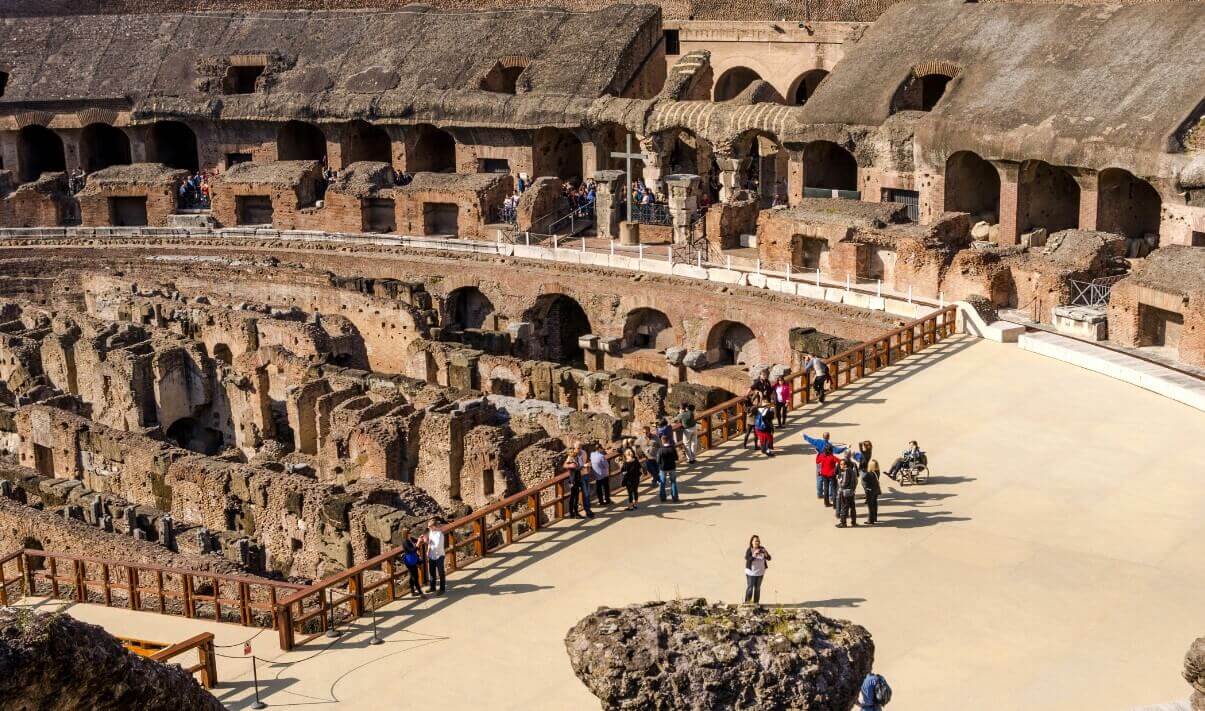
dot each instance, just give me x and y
(654, 213)
(1094, 293)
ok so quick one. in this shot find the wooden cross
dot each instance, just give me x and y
(628, 157)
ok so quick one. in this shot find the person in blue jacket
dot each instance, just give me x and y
(819, 445)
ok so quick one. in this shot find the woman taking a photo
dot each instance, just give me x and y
(757, 559)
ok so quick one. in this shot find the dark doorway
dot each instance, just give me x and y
(1048, 197)
(806, 85)
(127, 211)
(1127, 205)
(827, 167)
(972, 185)
(467, 307)
(192, 435)
(441, 218)
(378, 215)
(43, 460)
(366, 142)
(559, 322)
(732, 82)
(557, 153)
(102, 145)
(241, 80)
(648, 328)
(39, 150)
(173, 144)
(253, 209)
(298, 140)
(223, 354)
(731, 343)
(433, 151)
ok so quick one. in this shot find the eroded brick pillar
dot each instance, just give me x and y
(683, 192)
(654, 162)
(609, 187)
(730, 176)
(795, 178)
(1010, 201)
(1089, 192)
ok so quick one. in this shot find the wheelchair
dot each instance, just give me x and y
(915, 472)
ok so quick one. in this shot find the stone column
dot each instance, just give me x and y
(1010, 201)
(72, 148)
(654, 162)
(593, 351)
(730, 175)
(1089, 192)
(795, 178)
(683, 203)
(609, 186)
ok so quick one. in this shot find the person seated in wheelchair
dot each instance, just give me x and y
(913, 456)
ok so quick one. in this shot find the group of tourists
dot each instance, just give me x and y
(193, 192)
(655, 452)
(429, 550)
(580, 196)
(840, 468)
(769, 402)
(642, 195)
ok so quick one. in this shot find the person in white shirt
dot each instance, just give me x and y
(601, 469)
(435, 556)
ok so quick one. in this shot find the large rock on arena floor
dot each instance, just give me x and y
(1194, 672)
(688, 654)
(57, 663)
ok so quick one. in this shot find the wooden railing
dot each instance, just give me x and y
(247, 601)
(308, 613)
(206, 666)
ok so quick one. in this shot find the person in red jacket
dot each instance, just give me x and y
(827, 465)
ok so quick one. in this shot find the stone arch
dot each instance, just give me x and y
(558, 321)
(39, 150)
(366, 142)
(924, 87)
(467, 307)
(765, 170)
(732, 82)
(174, 144)
(1047, 196)
(557, 152)
(190, 434)
(972, 185)
(648, 328)
(103, 145)
(503, 76)
(731, 343)
(432, 150)
(805, 85)
(1127, 204)
(223, 354)
(828, 166)
(300, 140)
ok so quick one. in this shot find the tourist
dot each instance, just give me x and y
(818, 370)
(647, 446)
(757, 559)
(667, 464)
(579, 483)
(847, 484)
(782, 400)
(827, 466)
(664, 429)
(630, 473)
(434, 540)
(912, 455)
(411, 559)
(863, 455)
(874, 694)
(820, 445)
(763, 424)
(690, 431)
(601, 469)
(750, 403)
(763, 387)
(871, 489)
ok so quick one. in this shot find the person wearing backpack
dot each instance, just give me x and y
(874, 694)
(411, 559)
(871, 489)
(763, 425)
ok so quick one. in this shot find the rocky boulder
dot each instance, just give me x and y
(55, 662)
(1194, 672)
(689, 654)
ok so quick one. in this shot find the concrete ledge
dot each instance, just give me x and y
(969, 321)
(1156, 378)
